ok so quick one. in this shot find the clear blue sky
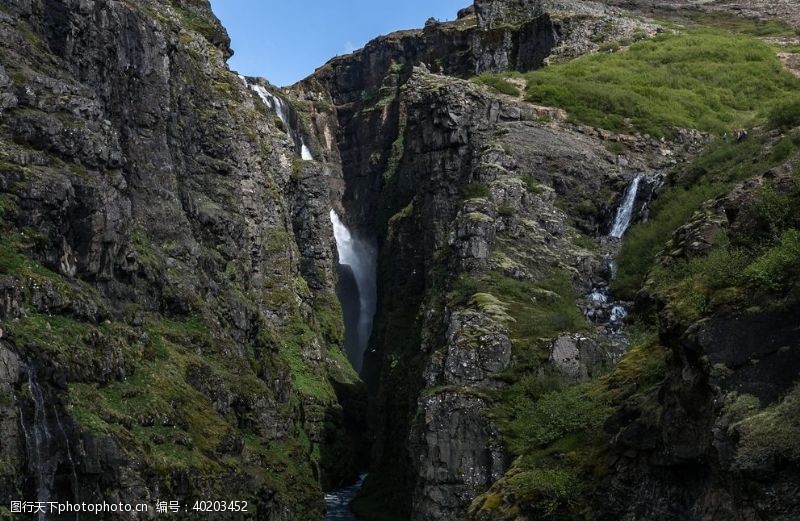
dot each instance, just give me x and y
(285, 40)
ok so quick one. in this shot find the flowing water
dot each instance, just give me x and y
(601, 308)
(47, 445)
(337, 503)
(359, 295)
(360, 255)
(283, 111)
(624, 216)
(38, 441)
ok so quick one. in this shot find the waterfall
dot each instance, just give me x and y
(601, 307)
(47, 445)
(38, 443)
(360, 256)
(625, 211)
(283, 111)
(305, 153)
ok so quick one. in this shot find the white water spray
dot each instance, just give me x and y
(361, 256)
(625, 211)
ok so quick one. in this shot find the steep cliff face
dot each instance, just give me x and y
(169, 323)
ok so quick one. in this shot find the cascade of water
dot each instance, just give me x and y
(74, 476)
(37, 442)
(305, 153)
(45, 452)
(361, 256)
(601, 307)
(281, 108)
(625, 211)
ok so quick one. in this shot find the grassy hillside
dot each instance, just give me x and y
(705, 79)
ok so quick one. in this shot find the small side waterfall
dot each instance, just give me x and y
(625, 211)
(283, 111)
(46, 450)
(358, 257)
(38, 443)
(601, 308)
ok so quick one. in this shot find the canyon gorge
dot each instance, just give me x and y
(514, 266)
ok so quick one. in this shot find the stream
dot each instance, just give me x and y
(337, 503)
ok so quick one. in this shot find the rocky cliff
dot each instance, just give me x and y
(170, 323)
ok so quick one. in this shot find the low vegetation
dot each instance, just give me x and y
(704, 79)
(498, 82)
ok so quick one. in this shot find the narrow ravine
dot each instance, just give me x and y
(357, 292)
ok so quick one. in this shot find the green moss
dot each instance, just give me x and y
(8, 207)
(533, 185)
(492, 306)
(537, 309)
(192, 21)
(703, 79)
(771, 435)
(294, 340)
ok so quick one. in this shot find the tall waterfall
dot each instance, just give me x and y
(359, 257)
(625, 211)
(282, 110)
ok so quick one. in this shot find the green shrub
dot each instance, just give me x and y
(778, 269)
(497, 82)
(475, 190)
(540, 422)
(785, 115)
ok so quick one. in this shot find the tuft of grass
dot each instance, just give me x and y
(475, 190)
(704, 79)
(498, 82)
